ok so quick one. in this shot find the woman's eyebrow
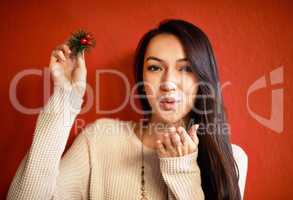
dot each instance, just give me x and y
(160, 60)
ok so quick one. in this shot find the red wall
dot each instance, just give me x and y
(250, 39)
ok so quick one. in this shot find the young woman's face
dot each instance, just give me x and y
(169, 83)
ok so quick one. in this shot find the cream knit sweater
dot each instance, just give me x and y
(104, 161)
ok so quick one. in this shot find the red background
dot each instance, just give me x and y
(250, 39)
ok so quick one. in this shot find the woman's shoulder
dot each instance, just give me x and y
(241, 159)
(238, 153)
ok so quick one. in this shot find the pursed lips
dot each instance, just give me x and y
(169, 98)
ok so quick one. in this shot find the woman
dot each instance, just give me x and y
(173, 154)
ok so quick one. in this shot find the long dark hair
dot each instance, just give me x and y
(219, 171)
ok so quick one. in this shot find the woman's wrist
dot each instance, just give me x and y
(181, 164)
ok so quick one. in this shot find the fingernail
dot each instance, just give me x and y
(194, 127)
(180, 128)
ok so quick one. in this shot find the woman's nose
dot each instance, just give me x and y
(168, 86)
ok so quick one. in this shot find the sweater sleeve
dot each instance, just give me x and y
(42, 174)
(182, 177)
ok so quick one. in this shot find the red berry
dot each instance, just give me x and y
(84, 41)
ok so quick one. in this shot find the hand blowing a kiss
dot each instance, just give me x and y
(178, 142)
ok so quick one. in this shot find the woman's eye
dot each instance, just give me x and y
(186, 68)
(153, 68)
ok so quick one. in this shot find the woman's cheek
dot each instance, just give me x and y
(151, 96)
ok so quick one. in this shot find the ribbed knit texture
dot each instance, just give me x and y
(104, 161)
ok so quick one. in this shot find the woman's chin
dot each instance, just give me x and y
(170, 117)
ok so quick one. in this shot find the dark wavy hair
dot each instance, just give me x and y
(219, 171)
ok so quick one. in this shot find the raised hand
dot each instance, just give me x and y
(68, 71)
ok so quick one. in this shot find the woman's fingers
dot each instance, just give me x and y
(61, 52)
(68, 70)
(183, 135)
(66, 50)
(193, 133)
(160, 148)
(81, 62)
(187, 140)
(53, 58)
(177, 143)
(80, 73)
(169, 146)
(184, 139)
(58, 55)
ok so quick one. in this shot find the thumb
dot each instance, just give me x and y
(80, 72)
(185, 137)
(81, 61)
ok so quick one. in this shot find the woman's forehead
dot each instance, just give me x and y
(165, 47)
